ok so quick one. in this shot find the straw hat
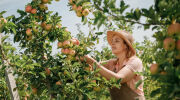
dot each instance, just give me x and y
(127, 37)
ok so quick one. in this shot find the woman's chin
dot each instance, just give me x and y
(115, 52)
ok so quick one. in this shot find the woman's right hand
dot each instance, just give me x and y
(89, 59)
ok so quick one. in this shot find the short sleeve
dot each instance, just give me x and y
(135, 65)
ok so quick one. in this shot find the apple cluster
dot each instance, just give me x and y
(31, 10)
(41, 21)
(80, 10)
(66, 44)
(170, 43)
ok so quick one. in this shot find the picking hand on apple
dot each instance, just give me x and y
(89, 59)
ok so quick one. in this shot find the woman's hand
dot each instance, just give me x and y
(89, 59)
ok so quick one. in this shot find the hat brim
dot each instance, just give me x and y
(110, 35)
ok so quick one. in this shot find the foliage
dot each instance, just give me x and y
(41, 75)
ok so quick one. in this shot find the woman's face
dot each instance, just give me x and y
(118, 45)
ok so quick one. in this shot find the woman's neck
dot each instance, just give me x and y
(121, 58)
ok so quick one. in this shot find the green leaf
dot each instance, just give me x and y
(14, 30)
(42, 74)
(85, 21)
(146, 27)
(137, 14)
(4, 38)
(122, 3)
(99, 33)
(155, 27)
(2, 12)
(21, 12)
(155, 92)
(138, 83)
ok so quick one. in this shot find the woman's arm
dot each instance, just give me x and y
(125, 73)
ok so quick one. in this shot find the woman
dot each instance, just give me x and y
(123, 67)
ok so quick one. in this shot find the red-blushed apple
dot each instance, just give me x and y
(178, 45)
(77, 58)
(85, 12)
(70, 57)
(48, 27)
(85, 77)
(29, 37)
(74, 7)
(66, 51)
(72, 52)
(66, 30)
(154, 69)
(35, 29)
(41, 17)
(3, 20)
(43, 7)
(169, 43)
(43, 24)
(66, 43)
(28, 32)
(173, 28)
(59, 45)
(58, 83)
(33, 11)
(73, 41)
(62, 50)
(77, 41)
(28, 8)
(82, 58)
(48, 72)
(70, 1)
(34, 90)
(44, 1)
(97, 89)
(79, 14)
(93, 81)
(65, 72)
(163, 73)
(79, 9)
(45, 57)
(58, 26)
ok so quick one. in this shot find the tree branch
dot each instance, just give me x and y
(127, 20)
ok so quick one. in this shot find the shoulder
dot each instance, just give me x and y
(135, 60)
(135, 63)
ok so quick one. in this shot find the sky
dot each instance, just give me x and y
(69, 18)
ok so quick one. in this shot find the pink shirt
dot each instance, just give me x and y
(134, 64)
